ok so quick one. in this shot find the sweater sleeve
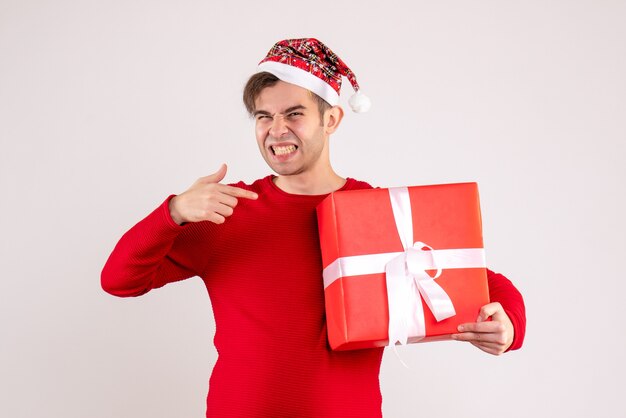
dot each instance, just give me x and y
(503, 291)
(151, 254)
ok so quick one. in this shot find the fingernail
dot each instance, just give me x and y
(461, 328)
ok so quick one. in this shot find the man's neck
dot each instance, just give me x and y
(308, 184)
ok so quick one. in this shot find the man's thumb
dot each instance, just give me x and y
(217, 176)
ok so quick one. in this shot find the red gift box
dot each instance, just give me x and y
(402, 264)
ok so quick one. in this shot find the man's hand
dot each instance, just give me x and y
(493, 337)
(207, 200)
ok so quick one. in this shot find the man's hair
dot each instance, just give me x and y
(261, 80)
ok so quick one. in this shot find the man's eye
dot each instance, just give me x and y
(292, 114)
(261, 117)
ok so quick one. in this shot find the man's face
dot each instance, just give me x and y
(289, 132)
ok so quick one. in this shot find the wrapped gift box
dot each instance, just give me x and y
(401, 265)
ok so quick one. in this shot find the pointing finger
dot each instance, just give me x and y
(239, 192)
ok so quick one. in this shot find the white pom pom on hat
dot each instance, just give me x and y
(359, 102)
(308, 63)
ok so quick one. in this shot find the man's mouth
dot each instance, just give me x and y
(283, 149)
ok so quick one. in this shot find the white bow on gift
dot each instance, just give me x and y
(406, 274)
(406, 278)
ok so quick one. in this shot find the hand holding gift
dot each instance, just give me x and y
(493, 337)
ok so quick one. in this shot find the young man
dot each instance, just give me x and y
(256, 248)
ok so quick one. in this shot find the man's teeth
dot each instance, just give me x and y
(284, 149)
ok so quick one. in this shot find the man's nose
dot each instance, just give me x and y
(279, 127)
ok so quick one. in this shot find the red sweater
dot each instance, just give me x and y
(262, 269)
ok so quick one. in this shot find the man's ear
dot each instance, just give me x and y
(332, 119)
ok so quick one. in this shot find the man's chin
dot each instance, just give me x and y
(286, 172)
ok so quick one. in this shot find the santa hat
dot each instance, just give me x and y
(310, 64)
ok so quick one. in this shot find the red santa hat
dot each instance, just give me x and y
(310, 64)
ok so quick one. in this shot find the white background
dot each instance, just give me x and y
(106, 107)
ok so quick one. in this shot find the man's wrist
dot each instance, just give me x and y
(174, 212)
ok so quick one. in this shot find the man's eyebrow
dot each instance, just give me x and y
(288, 110)
(261, 112)
(292, 108)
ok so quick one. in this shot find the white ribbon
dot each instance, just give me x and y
(406, 275)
